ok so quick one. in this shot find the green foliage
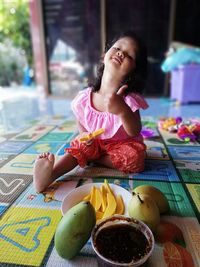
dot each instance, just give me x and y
(14, 25)
(11, 64)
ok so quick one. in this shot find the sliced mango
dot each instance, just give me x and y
(99, 215)
(107, 186)
(98, 199)
(87, 197)
(92, 196)
(104, 200)
(120, 205)
(92, 135)
(111, 207)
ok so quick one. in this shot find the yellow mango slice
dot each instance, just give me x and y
(111, 206)
(120, 205)
(93, 197)
(107, 186)
(99, 215)
(104, 200)
(98, 199)
(92, 135)
(87, 197)
(98, 132)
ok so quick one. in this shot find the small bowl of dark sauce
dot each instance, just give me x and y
(122, 241)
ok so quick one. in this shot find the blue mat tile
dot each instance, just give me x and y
(158, 170)
(185, 152)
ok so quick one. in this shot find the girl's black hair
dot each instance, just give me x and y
(137, 78)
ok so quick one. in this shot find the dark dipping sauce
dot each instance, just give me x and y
(122, 243)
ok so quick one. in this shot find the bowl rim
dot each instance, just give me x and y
(127, 219)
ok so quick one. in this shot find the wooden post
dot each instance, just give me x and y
(38, 42)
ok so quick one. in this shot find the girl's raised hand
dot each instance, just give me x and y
(115, 102)
(122, 90)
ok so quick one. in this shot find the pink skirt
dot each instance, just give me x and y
(127, 156)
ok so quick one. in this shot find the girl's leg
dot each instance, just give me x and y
(105, 161)
(128, 157)
(45, 171)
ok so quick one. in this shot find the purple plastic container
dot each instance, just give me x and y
(185, 83)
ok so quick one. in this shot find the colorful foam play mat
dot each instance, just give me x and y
(29, 219)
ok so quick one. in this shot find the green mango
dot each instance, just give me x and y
(74, 229)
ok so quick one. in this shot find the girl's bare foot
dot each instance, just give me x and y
(42, 174)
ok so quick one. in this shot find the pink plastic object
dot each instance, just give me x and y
(185, 82)
(196, 130)
(184, 132)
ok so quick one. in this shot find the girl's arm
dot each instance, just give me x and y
(131, 122)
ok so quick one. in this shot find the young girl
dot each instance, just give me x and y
(112, 103)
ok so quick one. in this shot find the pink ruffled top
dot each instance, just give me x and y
(92, 119)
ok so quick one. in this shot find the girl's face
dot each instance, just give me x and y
(121, 56)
